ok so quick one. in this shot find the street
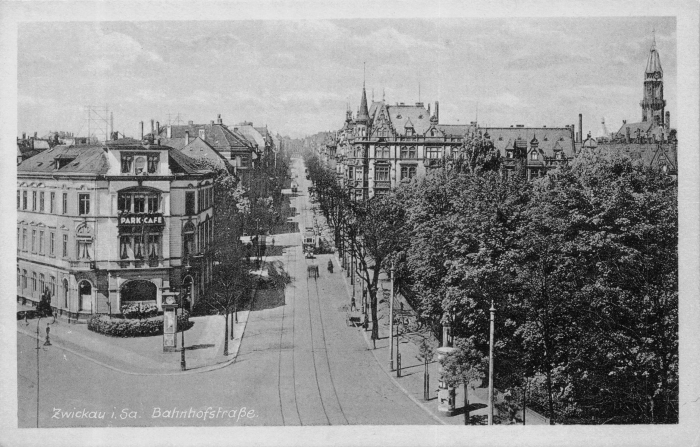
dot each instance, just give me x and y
(298, 364)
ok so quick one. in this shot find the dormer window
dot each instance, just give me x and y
(62, 162)
(509, 153)
(153, 163)
(127, 163)
(201, 133)
(140, 165)
(557, 155)
(409, 132)
(534, 155)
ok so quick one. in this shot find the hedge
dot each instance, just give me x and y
(118, 327)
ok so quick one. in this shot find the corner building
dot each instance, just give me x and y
(100, 226)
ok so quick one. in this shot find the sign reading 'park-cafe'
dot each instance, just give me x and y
(141, 219)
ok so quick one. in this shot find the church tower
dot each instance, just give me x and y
(653, 103)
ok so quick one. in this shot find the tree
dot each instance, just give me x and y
(464, 366)
(377, 225)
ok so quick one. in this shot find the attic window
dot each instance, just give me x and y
(561, 138)
(420, 117)
(500, 138)
(63, 162)
(546, 138)
(398, 117)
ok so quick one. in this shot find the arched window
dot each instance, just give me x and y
(188, 231)
(65, 293)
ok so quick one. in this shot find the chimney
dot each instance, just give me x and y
(169, 131)
(111, 122)
(153, 126)
(627, 135)
(157, 128)
(190, 123)
(429, 110)
(35, 135)
(24, 135)
(219, 120)
(437, 111)
(142, 130)
(211, 122)
(580, 128)
(668, 120)
(187, 137)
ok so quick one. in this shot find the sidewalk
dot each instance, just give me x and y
(412, 369)
(204, 343)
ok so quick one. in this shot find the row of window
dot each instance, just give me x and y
(37, 242)
(205, 200)
(139, 164)
(405, 152)
(205, 237)
(37, 284)
(41, 203)
(139, 202)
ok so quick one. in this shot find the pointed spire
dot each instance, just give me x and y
(363, 113)
(654, 62)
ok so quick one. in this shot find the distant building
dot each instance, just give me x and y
(198, 149)
(99, 226)
(656, 123)
(650, 141)
(231, 144)
(387, 144)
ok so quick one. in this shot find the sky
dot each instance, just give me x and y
(298, 77)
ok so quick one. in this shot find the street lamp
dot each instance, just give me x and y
(493, 312)
(46, 343)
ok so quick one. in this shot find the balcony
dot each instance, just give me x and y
(140, 263)
(382, 184)
(82, 264)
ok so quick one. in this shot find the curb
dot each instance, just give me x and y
(199, 370)
(388, 373)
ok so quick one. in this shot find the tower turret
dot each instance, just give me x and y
(653, 103)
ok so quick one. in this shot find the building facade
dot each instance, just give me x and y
(100, 226)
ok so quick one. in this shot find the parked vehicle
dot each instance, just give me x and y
(294, 187)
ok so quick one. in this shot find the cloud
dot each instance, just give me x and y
(105, 50)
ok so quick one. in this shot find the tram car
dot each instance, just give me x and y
(294, 187)
(311, 240)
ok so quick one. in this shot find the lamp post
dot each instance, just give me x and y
(46, 343)
(391, 322)
(493, 312)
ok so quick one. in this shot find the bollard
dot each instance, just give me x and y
(398, 365)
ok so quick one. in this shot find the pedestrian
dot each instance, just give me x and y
(353, 304)
(330, 266)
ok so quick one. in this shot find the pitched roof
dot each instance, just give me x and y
(200, 149)
(181, 163)
(400, 115)
(251, 134)
(547, 138)
(643, 127)
(455, 130)
(88, 159)
(218, 136)
(651, 154)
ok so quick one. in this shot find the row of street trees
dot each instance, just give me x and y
(242, 203)
(581, 266)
